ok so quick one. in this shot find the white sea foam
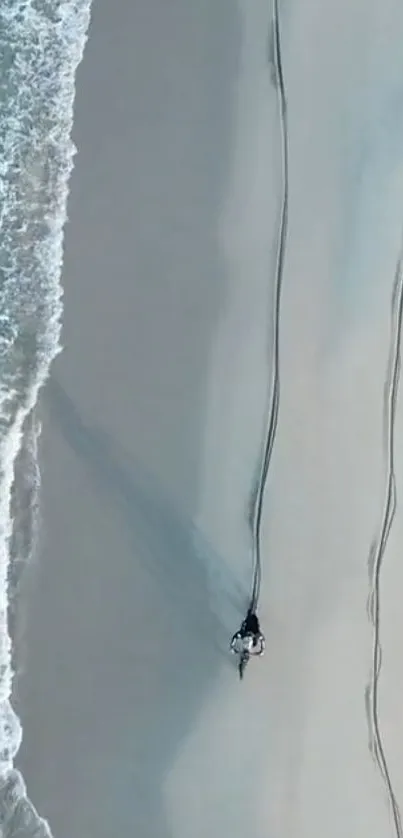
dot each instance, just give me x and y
(41, 45)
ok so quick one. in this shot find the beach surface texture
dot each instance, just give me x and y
(229, 284)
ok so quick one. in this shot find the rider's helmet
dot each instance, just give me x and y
(248, 641)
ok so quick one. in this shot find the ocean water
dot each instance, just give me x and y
(41, 45)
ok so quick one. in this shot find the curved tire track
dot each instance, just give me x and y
(379, 544)
(275, 390)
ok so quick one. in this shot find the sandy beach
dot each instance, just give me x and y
(153, 421)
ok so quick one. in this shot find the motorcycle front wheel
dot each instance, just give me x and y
(243, 660)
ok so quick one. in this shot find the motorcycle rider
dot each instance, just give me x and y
(249, 639)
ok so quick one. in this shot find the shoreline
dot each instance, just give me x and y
(144, 289)
(152, 425)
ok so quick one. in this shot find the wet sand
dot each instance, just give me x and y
(134, 720)
(123, 645)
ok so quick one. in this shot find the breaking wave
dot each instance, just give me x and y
(41, 45)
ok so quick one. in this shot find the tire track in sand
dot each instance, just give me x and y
(258, 495)
(378, 547)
